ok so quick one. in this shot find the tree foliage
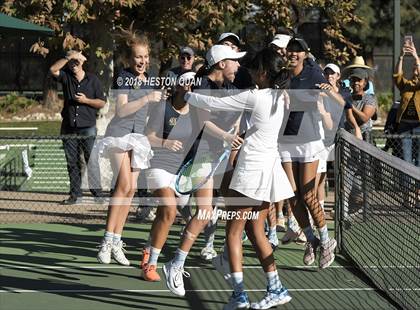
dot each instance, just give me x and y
(89, 25)
(377, 22)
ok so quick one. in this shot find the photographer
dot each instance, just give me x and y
(408, 114)
(83, 97)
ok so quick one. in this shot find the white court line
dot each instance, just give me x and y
(3, 266)
(18, 128)
(344, 289)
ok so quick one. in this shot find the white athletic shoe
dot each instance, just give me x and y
(118, 253)
(104, 255)
(237, 301)
(222, 266)
(272, 299)
(208, 253)
(174, 278)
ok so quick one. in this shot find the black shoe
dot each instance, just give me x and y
(72, 200)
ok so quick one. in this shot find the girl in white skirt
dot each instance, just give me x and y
(258, 179)
(124, 144)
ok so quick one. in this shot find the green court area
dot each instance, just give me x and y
(53, 266)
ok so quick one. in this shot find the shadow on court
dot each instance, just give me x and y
(44, 266)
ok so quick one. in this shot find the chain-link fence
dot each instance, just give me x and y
(35, 179)
(406, 147)
(38, 173)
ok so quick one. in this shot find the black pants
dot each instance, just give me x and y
(81, 140)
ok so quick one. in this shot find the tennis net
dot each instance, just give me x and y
(378, 217)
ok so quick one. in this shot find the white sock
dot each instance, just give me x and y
(272, 233)
(154, 255)
(323, 234)
(210, 240)
(293, 224)
(237, 281)
(273, 280)
(108, 236)
(116, 239)
(179, 259)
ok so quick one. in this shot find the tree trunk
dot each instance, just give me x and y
(100, 36)
(50, 88)
(50, 95)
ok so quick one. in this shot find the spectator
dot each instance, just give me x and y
(408, 115)
(186, 60)
(358, 62)
(230, 39)
(364, 106)
(83, 97)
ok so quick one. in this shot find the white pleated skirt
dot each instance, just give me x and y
(135, 142)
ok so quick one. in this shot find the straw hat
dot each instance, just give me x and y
(358, 62)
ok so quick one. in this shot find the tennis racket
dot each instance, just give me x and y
(199, 169)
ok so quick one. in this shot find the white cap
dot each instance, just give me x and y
(229, 34)
(220, 52)
(333, 67)
(186, 77)
(281, 40)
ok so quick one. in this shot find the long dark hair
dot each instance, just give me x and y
(273, 65)
(275, 68)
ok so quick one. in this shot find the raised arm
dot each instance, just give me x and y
(239, 102)
(125, 108)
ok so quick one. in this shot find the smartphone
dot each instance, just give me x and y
(408, 40)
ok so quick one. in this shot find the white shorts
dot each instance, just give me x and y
(322, 166)
(302, 153)
(160, 178)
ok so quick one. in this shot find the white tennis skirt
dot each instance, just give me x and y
(135, 142)
(160, 178)
(267, 183)
(303, 153)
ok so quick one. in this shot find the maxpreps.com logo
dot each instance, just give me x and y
(227, 215)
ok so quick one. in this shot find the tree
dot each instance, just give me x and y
(89, 25)
(335, 15)
(84, 26)
(377, 21)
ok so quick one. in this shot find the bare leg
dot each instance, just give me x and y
(255, 232)
(195, 226)
(166, 213)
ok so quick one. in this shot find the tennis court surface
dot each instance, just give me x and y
(48, 251)
(53, 266)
